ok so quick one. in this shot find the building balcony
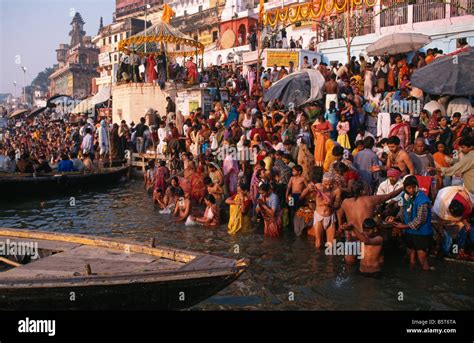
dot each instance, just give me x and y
(420, 11)
(197, 20)
(418, 15)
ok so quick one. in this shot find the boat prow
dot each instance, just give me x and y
(79, 272)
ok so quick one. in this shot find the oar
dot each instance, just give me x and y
(10, 262)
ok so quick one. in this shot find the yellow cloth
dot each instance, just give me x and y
(268, 163)
(343, 140)
(355, 151)
(329, 159)
(237, 220)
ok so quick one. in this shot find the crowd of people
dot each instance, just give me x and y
(55, 141)
(345, 167)
(375, 160)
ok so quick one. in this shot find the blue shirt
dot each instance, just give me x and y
(331, 116)
(66, 166)
(363, 161)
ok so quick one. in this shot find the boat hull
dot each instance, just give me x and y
(161, 295)
(57, 184)
(82, 272)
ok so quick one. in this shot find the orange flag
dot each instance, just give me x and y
(168, 13)
(261, 11)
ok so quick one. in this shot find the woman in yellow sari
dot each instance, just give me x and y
(321, 129)
(240, 205)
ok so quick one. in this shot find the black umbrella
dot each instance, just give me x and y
(58, 99)
(297, 88)
(450, 75)
(36, 112)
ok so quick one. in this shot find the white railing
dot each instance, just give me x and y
(429, 11)
(461, 7)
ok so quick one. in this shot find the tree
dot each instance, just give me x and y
(41, 81)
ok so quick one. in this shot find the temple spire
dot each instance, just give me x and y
(77, 32)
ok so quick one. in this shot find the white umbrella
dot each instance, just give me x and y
(397, 43)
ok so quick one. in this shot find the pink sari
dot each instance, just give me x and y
(401, 131)
(273, 225)
(162, 174)
(231, 174)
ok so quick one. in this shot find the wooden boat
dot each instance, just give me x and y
(91, 273)
(14, 185)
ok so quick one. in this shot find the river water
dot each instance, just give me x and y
(285, 274)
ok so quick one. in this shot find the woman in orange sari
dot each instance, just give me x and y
(392, 73)
(442, 160)
(321, 130)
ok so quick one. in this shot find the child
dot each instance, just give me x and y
(296, 185)
(150, 177)
(371, 251)
(331, 116)
(343, 128)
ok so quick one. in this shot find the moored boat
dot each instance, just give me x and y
(15, 185)
(78, 272)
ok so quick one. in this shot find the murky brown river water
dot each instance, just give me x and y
(284, 274)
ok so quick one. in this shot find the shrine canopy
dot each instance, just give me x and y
(161, 37)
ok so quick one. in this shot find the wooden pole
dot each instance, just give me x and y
(348, 30)
(257, 74)
(111, 122)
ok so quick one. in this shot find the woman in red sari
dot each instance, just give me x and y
(151, 72)
(198, 188)
(192, 71)
(321, 130)
(401, 130)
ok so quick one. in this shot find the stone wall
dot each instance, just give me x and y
(131, 100)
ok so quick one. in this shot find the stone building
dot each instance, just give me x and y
(78, 62)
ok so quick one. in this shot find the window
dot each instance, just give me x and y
(103, 42)
(214, 36)
(115, 57)
(200, 8)
(115, 39)
(110, 39)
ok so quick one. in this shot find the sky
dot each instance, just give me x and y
(31, 31)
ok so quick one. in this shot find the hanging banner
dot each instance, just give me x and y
(310, 11)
